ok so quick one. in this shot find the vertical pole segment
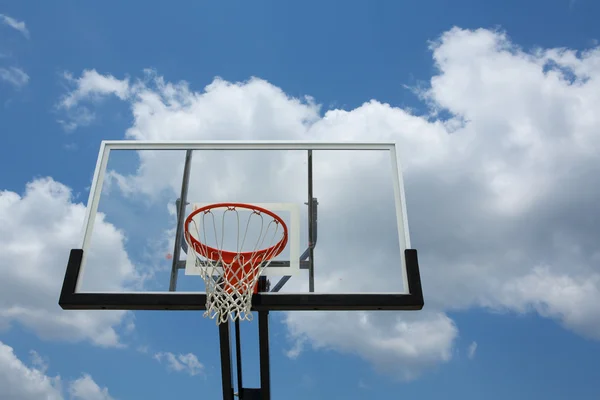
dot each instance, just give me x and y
(265, 366)
(311, 227)
(180, 220)
(226, 375)
(238, 359)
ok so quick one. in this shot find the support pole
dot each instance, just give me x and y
(238, 359)
(265, 366)
(180, 220)
(311, 227)
(226, 375)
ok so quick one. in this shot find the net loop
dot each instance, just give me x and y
(231, 276)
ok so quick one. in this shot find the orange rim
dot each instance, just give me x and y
(228, 256)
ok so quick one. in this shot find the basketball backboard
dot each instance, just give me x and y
(348, 244)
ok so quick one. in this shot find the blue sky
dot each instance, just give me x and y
(501, 324)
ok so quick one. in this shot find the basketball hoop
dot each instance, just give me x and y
(231, 276)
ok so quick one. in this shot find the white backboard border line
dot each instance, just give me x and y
(107, 146)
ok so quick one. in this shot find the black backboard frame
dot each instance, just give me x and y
(71, 299)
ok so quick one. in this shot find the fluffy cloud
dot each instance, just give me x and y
(187, 363)
(402, 345)
(519, 180)
(14, 24)
(502, 196)
(85, 388)
(12, 75)
(15, 76)
(21, 382)
(92, 85)
(37, 232)
(38, 361)
(471, 350)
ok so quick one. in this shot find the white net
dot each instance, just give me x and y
(232, 245)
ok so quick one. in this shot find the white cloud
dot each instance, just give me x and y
(93, 85)
(12, 75)
(20, 382)
(502, 197)
(37, 232)
(15, 76)
(187, 363)
(90, 87)
(38, 361)
(13, 23)
(420, 341)
(142, 349)
(296, 349)
(571, 299)
(85, 388)
(80, 116)
(471, 350)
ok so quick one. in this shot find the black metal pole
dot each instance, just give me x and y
(238, 359)
(311, 233)
(226, 376)
(265, 366)
(180, 220)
